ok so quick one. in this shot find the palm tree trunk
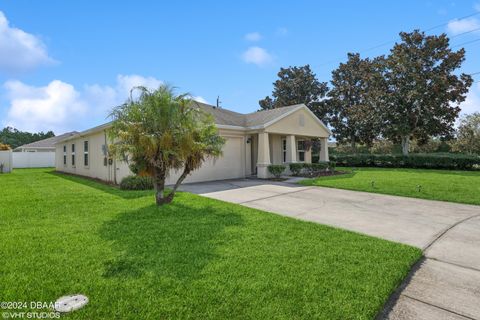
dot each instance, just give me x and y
(170, 196)
(159, 180)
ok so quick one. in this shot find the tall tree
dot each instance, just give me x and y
(353, 103)
(160, 132)
(423, 92)
(297, 85)
(468, 134)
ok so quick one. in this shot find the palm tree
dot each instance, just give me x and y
(161, 131)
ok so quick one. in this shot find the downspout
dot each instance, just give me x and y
(106, 155)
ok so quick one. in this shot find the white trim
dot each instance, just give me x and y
(225, 126)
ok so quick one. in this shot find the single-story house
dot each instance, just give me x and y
(253, 142)
(45, 145)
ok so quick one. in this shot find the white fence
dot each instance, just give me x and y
(33, 159)
(6, 161)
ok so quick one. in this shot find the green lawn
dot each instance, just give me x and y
(197, 258)
(454, 186)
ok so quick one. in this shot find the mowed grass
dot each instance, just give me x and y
(197, 258)
(445, 185)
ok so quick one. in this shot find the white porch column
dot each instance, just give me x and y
(263, 155)
(324, 149)
(291, 149)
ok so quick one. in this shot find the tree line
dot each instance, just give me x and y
(413, 93)
(15, 138)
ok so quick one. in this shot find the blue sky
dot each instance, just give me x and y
(64, 64)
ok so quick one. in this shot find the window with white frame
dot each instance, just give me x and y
(73, 154)
(284, 150)
(64, 155)
(301, 150)
(85, 153)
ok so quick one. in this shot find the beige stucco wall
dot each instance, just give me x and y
(239, 158)
(276, 152)
(96, 168)
(299, 123)
(232, 164)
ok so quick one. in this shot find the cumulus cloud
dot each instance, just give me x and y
(463, 25)
(253, 36)
(20, 51)
(60, 107)
(53, 107)
(257, 55)
(472, 103)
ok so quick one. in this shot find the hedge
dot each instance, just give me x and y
(276, 169)
(311, 168)
(136, 183)
(418, 161)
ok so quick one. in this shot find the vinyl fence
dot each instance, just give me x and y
(6, 161)
(33, 159)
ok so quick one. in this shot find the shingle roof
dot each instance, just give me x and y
(223, 117)
(47, 143)
(227, 117)
(263, 117)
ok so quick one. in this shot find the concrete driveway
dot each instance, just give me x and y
(444, 285)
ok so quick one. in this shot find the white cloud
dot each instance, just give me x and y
(472, 103)
(53, 107)
(20, 51)
(458, 26)
(257, 55)
(200, 99)
(253, 36)
(60, 107)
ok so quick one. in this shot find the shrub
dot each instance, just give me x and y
(296, 168)
(332, 165)
(276, 169)
(420, 161)
(136, 183)
(4, 147)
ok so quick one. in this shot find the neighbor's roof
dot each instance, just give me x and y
(46, 143)
(227, 118)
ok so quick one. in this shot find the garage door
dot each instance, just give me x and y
(229, 166)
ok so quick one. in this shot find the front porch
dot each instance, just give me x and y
(275, 148)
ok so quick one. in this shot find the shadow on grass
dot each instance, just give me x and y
(102, 186)
(173, 241)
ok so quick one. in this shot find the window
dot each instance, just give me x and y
(65, 155)
(85, 153)
(301, 150)
(284, 150)
(73, 155)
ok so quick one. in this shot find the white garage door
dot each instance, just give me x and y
(229, 166)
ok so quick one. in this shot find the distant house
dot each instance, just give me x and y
(39, 154)
(253, 142)
(45, 145)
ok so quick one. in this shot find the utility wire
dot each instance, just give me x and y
(465, 43)
(429, 29)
